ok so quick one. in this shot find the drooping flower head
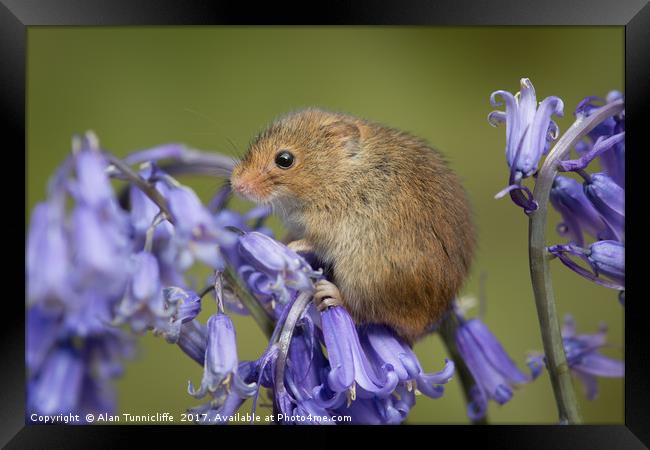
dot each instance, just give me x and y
(493, 371)
(584, 357)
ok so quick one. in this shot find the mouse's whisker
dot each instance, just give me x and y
(238, 152)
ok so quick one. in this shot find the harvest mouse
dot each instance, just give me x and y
(378, 205)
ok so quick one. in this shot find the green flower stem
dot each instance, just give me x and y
(447, 332)
(556, 361)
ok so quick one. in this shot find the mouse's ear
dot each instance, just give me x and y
(347, 133)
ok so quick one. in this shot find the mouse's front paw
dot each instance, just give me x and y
(326, 295)
(300, 245)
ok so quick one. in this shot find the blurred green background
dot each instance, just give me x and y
(215, 87)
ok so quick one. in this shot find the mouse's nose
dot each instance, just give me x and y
(242, 186)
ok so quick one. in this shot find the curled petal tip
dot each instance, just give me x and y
(495, 118)
(505, 94)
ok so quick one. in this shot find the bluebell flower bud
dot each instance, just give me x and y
(608, 258)
(609, 200)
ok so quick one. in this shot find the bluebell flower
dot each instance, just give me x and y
(608, 258)
(351, 373)
(529, 127)
(48, 257)
(529, 131)
(232, 219)
(272, 271)
(585, 361)
(268, 256)
(584, 358)
(578, 214)
(493, 371)
(221, 362)
(383, 347)
(604, 257)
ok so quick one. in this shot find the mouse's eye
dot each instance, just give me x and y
(284, 159)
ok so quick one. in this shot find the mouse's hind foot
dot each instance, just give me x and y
(326, 295)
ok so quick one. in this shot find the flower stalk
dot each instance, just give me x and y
(284, 340)
(556, 360)
(142, 184)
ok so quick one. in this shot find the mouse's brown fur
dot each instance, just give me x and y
(379, 205)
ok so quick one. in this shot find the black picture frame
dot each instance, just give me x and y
(634, 15)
